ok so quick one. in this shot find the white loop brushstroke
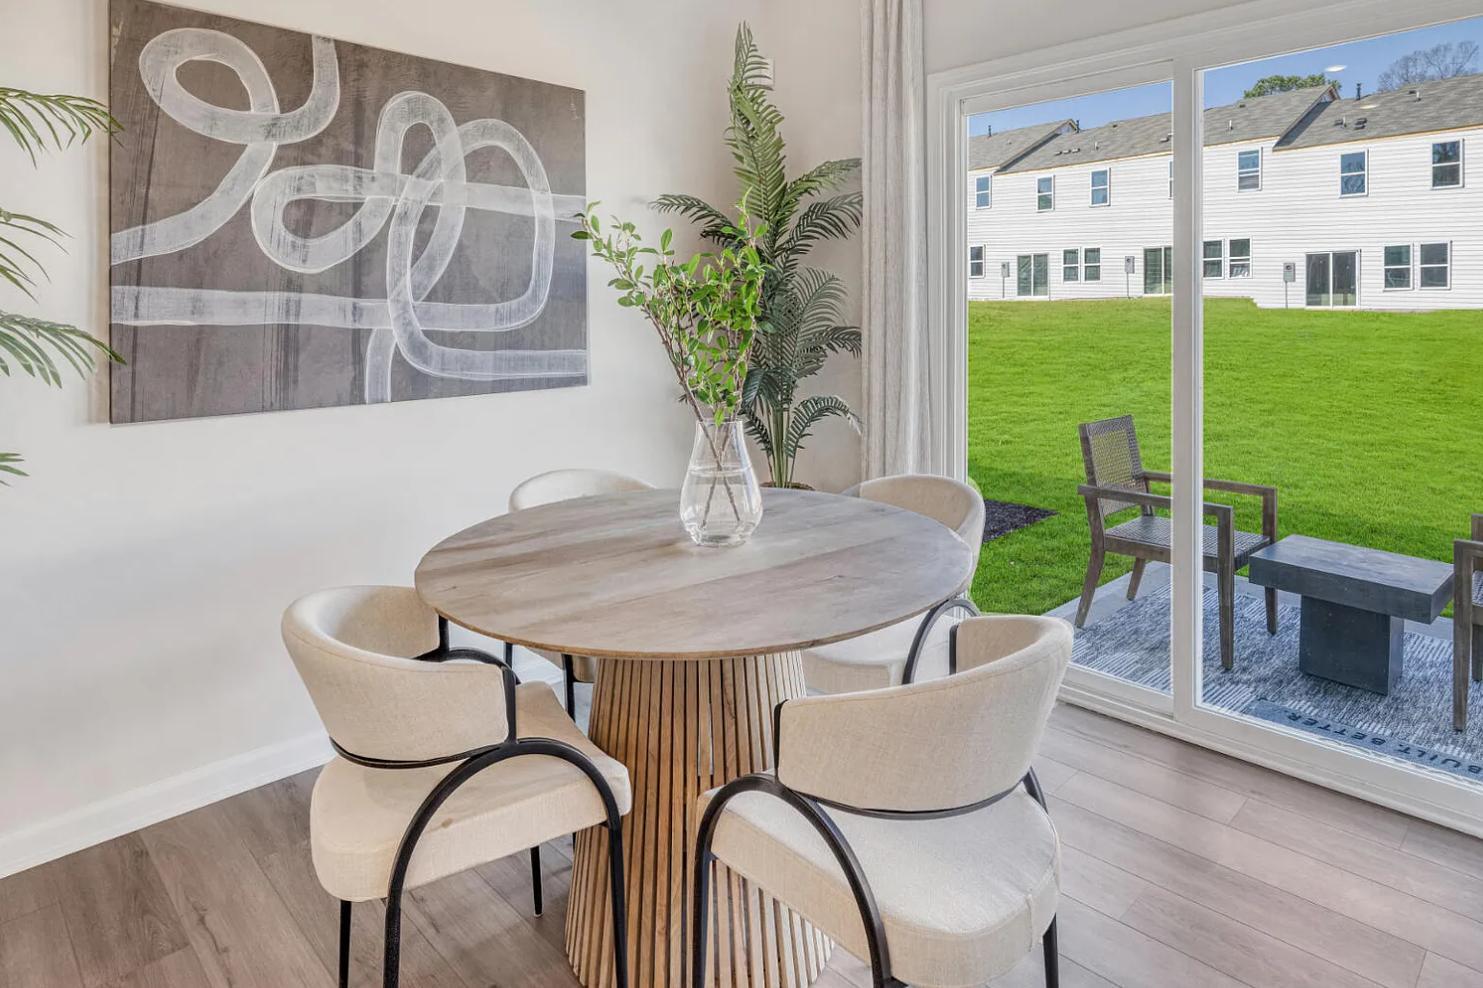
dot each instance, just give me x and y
(261, 130)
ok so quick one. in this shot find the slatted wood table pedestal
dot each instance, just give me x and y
(695, 647)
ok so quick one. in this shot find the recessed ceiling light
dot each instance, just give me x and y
(1336, 68)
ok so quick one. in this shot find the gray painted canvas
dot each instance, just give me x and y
(300, 222)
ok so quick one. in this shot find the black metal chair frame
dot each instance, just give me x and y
(919, 641)
(473, 762)
(812, 809)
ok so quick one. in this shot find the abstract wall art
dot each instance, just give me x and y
(299, 222)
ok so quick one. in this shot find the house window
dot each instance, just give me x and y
(1398, 266)
(1171, 178)
(1446, 164)
(1032, 275)
(1240, 258)
(1071, 264)
(1101, 187)
(1091, 264)
(1249, 170)
(1045, 193)
(1353, 177)
(1214, 258)
(1158, 270)
(982, 191)
(976, 261)
(1436, 265)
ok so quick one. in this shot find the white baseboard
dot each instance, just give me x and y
(138, 808)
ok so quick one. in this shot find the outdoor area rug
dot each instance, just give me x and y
(1003, 517)
(1414, 721)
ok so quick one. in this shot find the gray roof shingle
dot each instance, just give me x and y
(1260, 117)
(1445, 104)
(993, 150)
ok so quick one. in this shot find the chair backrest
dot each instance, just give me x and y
(935, 745)
(563, 485)
(353, 648)
(951, 502)
(1109, 451)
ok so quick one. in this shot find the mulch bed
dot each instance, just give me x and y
(1003, 517)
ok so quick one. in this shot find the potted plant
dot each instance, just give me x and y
(802, 308)
(704, 310)
(37, 346)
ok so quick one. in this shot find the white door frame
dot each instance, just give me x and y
(1180, 50)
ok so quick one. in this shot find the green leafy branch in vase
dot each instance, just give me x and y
(39, 123)
(704, 308)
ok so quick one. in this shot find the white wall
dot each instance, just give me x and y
(143, 568)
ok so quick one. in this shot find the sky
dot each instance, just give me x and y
(1363, 62)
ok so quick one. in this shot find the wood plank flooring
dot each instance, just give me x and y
(1182, 868)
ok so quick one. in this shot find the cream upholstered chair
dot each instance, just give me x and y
(563, 485)
(895, 654)
(906, 822)
(440, 765)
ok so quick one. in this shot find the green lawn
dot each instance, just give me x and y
(1368, 423)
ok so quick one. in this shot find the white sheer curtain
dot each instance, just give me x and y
(897, 359)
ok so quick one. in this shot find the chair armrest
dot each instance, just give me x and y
(1222, 513)
(1266, 492)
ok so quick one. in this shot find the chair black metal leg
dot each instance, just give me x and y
(535, 878)
(344, 944)
(391, 961)
(571, 686)
(620, 908)
(699, 931)
(1052, 957)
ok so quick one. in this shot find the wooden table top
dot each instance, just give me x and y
(616, 576)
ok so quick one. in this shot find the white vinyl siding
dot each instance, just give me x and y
(1045, 194)
(1297, 212)
(1397, 259)
(1435, 265)
(1354, 173)
(983, 191)
(1248, 170)
(1446, 164)
(1102, 187)
(976, 261)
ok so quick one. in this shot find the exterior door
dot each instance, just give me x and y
(1332, 278)
(1158, 270)
(1032, 275)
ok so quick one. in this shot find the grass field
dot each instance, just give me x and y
(1370, 424)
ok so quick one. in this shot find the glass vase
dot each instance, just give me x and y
(721, 501)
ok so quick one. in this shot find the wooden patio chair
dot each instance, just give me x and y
(1467, 620)
(1116, 481)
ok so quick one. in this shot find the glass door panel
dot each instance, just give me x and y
(1074, 389)
(1318, 279)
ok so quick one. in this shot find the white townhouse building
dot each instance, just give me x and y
(1310, 199)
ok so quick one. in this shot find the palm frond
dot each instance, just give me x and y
(834, 218)
(712, 222)
(756, 422)
(825, 177)
(35, 346)
(40, 122)
(16, 262)
(814, 409)
(8, 463)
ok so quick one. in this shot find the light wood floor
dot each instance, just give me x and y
(1182, 868)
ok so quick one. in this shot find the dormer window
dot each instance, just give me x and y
(1446, 164)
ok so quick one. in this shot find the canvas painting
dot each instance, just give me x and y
(299, 222)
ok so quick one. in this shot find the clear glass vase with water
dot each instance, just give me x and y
(721, 501)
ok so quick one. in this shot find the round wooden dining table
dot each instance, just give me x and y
(695, 647)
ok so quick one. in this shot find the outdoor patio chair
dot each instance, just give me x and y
(1116, 481)
(1467, 620)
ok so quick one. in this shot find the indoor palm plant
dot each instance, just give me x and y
(704, 310)
(802, 308)
(39, 347)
